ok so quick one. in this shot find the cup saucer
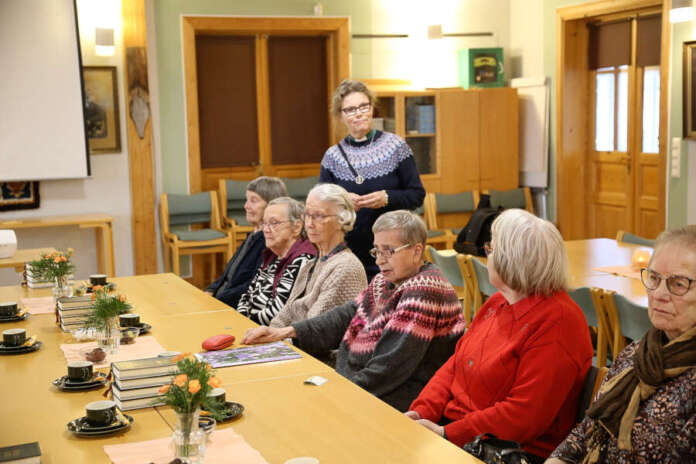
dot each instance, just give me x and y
(234, 410)
(65, 384)
(19, 349)
(144, 328)
(17, 317)
(81, 428)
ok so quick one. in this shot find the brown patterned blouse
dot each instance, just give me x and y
(664, 430)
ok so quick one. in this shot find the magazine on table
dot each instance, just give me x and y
(277, 351)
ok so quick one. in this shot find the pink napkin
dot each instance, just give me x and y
(224, 446)
(144, 347)
(41, 305)
(624, 271)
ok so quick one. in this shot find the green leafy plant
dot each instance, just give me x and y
(106, 307)
(189, 390)
(52, 265)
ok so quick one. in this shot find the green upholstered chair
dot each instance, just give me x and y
(439, 206)
(515, 198)
(179, 211)
(232, 196)
(299, 187)
(485, 289)
(625, 320)
(628, 237)
(590, 301)
(460, 274)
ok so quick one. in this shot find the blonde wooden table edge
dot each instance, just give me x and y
(23, 256)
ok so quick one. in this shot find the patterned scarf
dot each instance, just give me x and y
(619, 399)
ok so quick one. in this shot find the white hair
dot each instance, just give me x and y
(340, 198)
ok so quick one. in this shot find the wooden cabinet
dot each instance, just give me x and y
(461, 139)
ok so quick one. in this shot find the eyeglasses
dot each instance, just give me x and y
(353, 110)
(272, 225)
(676, 284)
(487, 248)
(388, 253)
(316, 217)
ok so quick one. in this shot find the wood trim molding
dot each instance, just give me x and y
(139, 130)
(604, 7)
(665, 66)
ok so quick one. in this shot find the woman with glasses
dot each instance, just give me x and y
(376, 167)
(518, 370)
(335, 276)
(397, 332)
(645, 410)
(241, 268)
(287, 251)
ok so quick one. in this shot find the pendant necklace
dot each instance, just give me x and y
(358, 178)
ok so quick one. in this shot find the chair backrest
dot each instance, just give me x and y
(460, 274)
(515, 198)
(625, 319)
(448, 265)
(232, 199)
(593, 380)
(299, 187)
(583, 298)
(192, 209)
(484, 283)
(628, 237)
(590, 301)
(450, 203)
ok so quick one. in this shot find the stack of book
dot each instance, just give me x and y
(35, 282)
(136, 383)
(425, 121)
(73, 311)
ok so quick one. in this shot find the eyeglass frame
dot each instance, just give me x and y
(315, 217)
(272, 226)
(351, 111)
(667, 280)
(375, 252)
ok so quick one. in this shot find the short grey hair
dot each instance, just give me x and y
(268, 188)
(294, 208)
(528, 253)
(345, 88)
(340, 198)
(683, 236)
(410, 225)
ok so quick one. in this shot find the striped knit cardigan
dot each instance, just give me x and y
(392, 338)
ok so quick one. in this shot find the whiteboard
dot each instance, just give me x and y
(533, 96)
(42, 129)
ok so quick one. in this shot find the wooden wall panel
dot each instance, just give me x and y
(499, 139)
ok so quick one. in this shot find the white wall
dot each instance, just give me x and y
(526, 38)
(106, 191)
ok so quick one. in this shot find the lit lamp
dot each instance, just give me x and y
(104, 41)
(641, 257)
(682, 10)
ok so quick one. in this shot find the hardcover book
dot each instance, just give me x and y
(139, 368)
(277, 351)
(26, 453)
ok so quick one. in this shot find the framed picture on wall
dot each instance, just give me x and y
(689, 95)
(101, 109)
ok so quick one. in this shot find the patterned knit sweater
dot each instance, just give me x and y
(386, 162)
(271, 286)
(322, 284)
(390, 339)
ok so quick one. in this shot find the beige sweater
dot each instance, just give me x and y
(334, 282)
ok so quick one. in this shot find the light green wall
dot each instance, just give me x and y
(676, 188)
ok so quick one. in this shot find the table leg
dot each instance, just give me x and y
(105, 249)
(110, 249)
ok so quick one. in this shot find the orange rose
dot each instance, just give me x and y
(194, 386)
(96, 288)
(63, 259)
(214, 382)
(181, 356)
(122, 298)
(56, 259)
(180, 380)
(207, 367)
(164, 388)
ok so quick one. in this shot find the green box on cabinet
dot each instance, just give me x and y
(481, 67)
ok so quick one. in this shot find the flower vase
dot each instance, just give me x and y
(188, 440)
(109, 336)
(62, 287)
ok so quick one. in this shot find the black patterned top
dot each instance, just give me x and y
(273, 282)
(664, 430)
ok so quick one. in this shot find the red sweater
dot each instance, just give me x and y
(517, 373)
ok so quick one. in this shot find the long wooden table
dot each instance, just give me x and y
(21, 257)
(101, 223)
(337, 422)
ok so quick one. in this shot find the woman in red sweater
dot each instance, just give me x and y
(518, 371)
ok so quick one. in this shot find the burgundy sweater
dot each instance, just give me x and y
(517, 373)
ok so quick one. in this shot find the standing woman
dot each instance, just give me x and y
(377, 168)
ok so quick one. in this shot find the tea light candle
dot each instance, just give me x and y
(641, 257)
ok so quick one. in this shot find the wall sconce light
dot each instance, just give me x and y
(681, 10)
(104, 41)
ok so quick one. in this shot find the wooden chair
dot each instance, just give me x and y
(442, 208)
(627, 237)
(299, 187)
(515, 198)
(459, 273)
(624, 320)
(232, 196)
(192, 210)
(590, 301)
(485, 289)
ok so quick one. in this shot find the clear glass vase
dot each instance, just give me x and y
(188, 441)
(109, 336)
(62, 287)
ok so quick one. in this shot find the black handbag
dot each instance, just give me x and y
(492, 450)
